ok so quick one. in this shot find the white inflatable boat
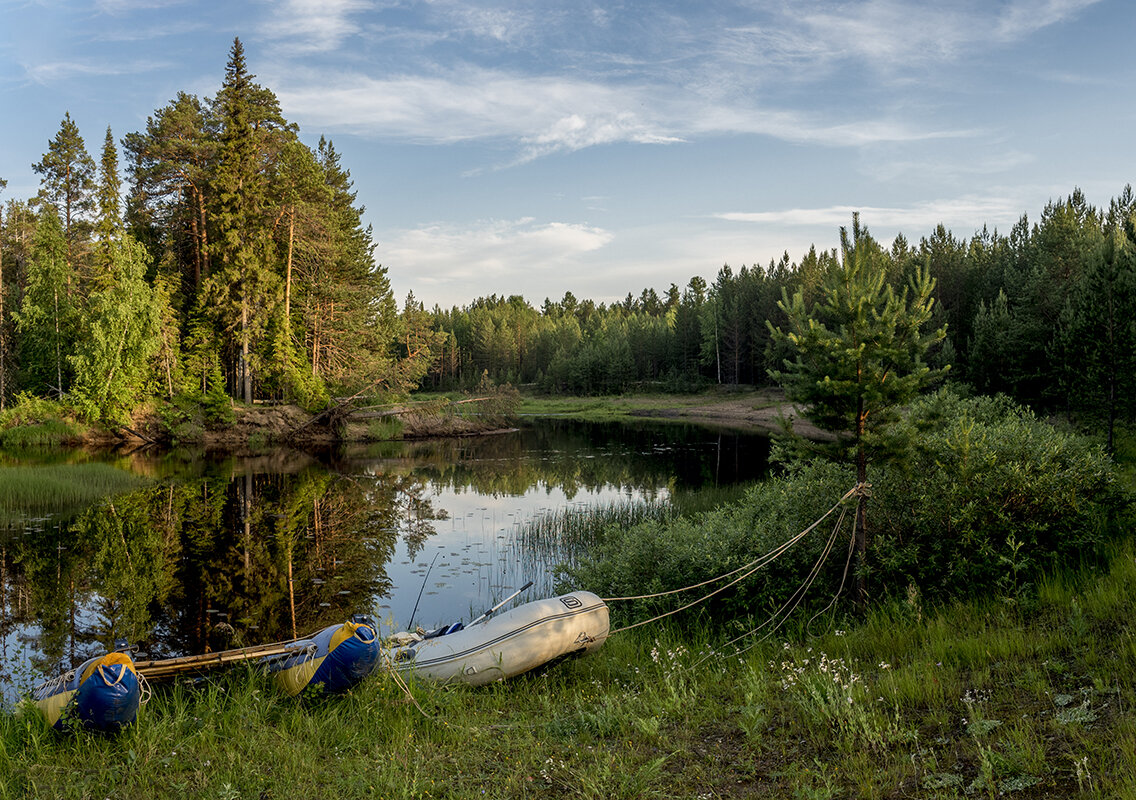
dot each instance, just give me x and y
(502, 646)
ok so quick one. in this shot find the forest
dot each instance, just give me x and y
(1045, 314)
(216, 256)
(234, 265)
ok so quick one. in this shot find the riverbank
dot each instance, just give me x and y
(42, 423)
(750, 410)
(984, 699)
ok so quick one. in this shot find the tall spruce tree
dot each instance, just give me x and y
(108, 227)
(858, 357)
(244, 288)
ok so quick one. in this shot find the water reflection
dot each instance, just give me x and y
(218, 553)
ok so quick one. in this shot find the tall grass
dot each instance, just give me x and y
(572, 532)
(974, 700)
(34, 490)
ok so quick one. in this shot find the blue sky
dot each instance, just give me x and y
(603, 147)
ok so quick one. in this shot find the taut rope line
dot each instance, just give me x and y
(757, 564)
(859, 488)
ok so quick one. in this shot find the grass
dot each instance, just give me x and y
(977, 700)
(36, 490)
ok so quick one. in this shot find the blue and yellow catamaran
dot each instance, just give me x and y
(102, 694)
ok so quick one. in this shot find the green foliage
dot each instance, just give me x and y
(384, 430)
(1001, 498)
(663, 554)
(37, 422)
(113, 358)
(47, 317)
(990, 499)
(858, 353)
(68, 184)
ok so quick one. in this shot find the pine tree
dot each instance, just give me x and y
(68, 183)
(171, 164)
(858, 357)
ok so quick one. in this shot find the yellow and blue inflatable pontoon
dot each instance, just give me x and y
(333, 660)
(102, 694)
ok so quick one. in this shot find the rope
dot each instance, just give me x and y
(146, 691)
(798, 595)
(857, 490)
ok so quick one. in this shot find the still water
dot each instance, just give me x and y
(213, 552)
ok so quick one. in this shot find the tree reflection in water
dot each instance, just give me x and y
(218, 554)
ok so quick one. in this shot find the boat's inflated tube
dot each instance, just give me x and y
(333, 660)
(102, 694)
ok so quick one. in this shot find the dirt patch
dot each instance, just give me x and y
(766, 410)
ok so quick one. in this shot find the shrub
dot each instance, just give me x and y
(988, 499)
(38, 422)
(991, 497)
(657, 555)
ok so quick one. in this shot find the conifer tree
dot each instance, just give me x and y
(108, 227)
(244, 289)
(68, 183)
(858, 357)
(3, 319)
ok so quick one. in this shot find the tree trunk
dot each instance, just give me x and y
(246, 378)
(861, 511)
(58, 355)
(288, 275)
(3, 341)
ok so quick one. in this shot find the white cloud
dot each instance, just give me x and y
(1023, 17)
(803, 40)
(964, 214)
(117, 7)
(56, 71)
(489, 257)
(544, 115)
(313, 25)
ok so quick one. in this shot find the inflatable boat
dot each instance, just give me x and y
(494, 648)
(333, 660)
(102, 694)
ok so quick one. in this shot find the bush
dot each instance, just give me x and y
(988, 499)
(656, 556)
(991, 497)
(37, 422)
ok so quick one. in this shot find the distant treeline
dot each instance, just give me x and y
(1045, 314)
(238, 267)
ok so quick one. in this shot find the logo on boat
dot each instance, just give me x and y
(570, 602)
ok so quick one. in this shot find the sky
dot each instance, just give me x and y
(508, 147)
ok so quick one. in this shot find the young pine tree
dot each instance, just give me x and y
(858, 357)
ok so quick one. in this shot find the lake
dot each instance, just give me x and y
(209, 552)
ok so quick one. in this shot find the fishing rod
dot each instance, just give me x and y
(503, 602)
(426, 577)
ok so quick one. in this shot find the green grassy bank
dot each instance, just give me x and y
(984, 699)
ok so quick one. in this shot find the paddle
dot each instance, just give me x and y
(503, 602)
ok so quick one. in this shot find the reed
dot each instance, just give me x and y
(33, 490)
